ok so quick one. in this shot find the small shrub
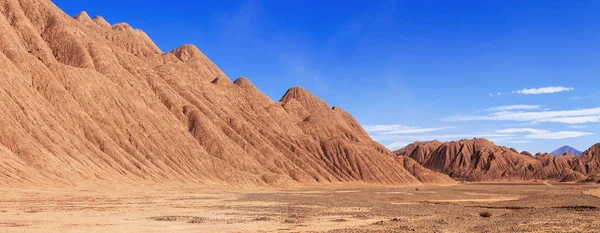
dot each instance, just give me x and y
(379, 223)
(398, 220)
(262, 219)
(196, 220)
(339, 220)
(485, 214)
(291, 221)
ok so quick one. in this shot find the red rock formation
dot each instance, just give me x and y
(526, 153)
(588, 163)
(85, 101)
(481, 160)
(558, 167)
(473, 160)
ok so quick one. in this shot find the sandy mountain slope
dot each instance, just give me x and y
(85, 101)
(482, 160)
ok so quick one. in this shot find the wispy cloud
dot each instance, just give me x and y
(521, 130)
(559, 135)
(401, 129)
(400, 141)
(519, 142)
(573, 120)
(544, 134)
(543, 90)
(397, 145)
(577, 116)
(513, 107)
(578, 126)
(442, 137)
(398, 136)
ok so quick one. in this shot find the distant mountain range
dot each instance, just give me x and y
(481, 160)
(565, 149)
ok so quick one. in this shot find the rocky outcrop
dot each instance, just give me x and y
(482, 160)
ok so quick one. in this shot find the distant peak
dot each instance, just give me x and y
(243, 82)
(220, 81)
(83, 16)
(101, 21)
(122, 27)
(307, 99)
(187, 52)
(564, 149)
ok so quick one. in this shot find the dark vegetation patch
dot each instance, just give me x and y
(398, 220)
(503, 207)
(188, 219)
(577, 207)
(263, 218)
(339, 220)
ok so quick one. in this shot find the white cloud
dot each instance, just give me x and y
(491, 95)
(519, 142)
(400, 141)
(578, 126)
(577, 116)
(441, 137)
(401, 129)
(558, 135)
(522, 130)
(573, 120)
(544, 134)
(513, 107)
(397, 145)
(544, 90)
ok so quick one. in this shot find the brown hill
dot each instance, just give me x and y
(482, 160)
(588, 163)
(472, 160)
(85, 101)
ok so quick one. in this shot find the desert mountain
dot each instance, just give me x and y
(482, 160)
(85, 101)
(566, 149)
(472, 160)
(588, 163)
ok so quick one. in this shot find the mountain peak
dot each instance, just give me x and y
(187, 52)
(307, 99)
(243, 82)
(83, 16)
(566, 149)
(101, 21)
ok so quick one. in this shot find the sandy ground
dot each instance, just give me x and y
(593, 192)
(529, 207)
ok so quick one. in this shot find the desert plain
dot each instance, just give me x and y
(514, 207)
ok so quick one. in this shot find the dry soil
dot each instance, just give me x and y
(516, 207)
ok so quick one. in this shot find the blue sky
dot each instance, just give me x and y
(524, 74)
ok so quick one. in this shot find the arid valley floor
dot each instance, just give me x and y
(515, 207)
